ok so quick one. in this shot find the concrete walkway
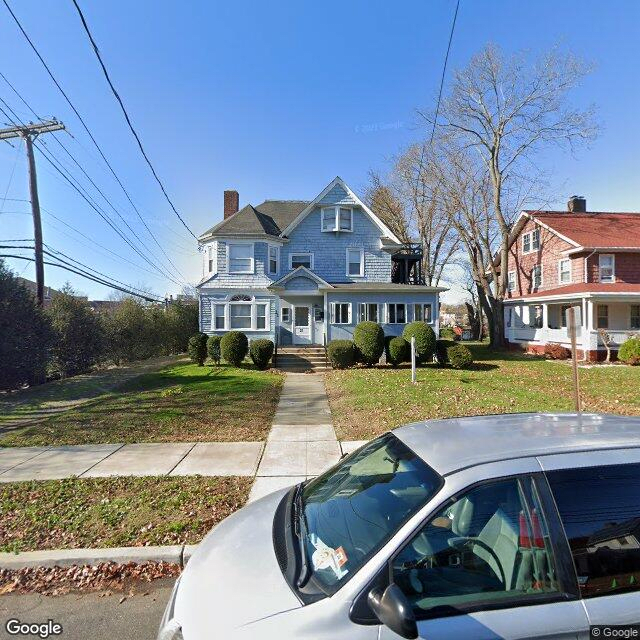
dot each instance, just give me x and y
(302, 442)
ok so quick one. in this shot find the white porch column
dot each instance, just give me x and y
(588, 328)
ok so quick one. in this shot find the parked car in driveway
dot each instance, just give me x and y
(509, 526)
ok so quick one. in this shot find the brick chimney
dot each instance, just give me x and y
(231, 203)
(576, 204)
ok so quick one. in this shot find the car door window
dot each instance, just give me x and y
(490, 545)
(600, 510)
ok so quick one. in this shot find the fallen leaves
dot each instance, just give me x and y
(108, 576)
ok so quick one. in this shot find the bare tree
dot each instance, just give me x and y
(409, 202)
(501, 112)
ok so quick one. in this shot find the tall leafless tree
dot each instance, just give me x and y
(409, 202)
(500, 114)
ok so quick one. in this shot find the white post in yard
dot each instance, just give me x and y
(571, 322)
(413, 359)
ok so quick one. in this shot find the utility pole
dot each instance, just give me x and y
(28, 132)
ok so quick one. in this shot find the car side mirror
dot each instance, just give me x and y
(394, 610)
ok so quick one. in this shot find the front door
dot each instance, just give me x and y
(301, 325)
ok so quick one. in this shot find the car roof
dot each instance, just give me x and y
(458, 443)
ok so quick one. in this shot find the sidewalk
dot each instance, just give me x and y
(302, 442)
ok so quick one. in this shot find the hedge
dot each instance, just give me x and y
(234, 347)
(261, 352)
(447, 333)
(213, 348)
(629, 351)
(369, 340)
(398, 350)
(197, 348)
(459, 356)
(342, 353)
(425, 340)
(441, 351)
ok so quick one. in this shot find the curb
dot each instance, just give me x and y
(175, 554)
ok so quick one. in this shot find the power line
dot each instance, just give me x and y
(180, 275)
(444, 70)
(75, 185)
(85, 275)
(13, 169)
(86, 128)
(126, 116)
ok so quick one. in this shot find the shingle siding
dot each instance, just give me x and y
(300, 283)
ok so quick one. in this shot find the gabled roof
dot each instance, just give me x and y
(338, 181)
(591, 230)
(300, 272)
(268, 218)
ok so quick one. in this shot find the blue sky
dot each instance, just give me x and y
(275, 99)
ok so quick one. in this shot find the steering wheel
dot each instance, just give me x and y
(466, 544)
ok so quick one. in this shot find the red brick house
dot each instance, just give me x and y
(576, 258)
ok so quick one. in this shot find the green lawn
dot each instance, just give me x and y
(112, 512)
(181, 403)
(367, 402)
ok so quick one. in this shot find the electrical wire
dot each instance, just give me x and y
(13, 169)
(444, 70)
(126, 115)
(175, 268)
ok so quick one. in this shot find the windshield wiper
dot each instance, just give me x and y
(300, 528)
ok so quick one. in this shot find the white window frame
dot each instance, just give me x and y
(421, 306)
(535, 287)
(287, 319)
(333, 212)
(254, 316)
(363, 312)
(254, 304)
(276, 248)
(560, 272)
(511, 281)
(535, 244)
(360, 274)
(612, 277)
(215, 304)
(251, 315)
(212, 258)
(230, 245)
(334, 314)
(396, 305)
(301, 253)
(526, 237)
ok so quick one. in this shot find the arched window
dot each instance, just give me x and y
(240, 298)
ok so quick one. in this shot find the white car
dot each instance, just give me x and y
(510, 526)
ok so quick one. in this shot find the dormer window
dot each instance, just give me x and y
(337, 219)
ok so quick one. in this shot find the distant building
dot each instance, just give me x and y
(49, 292)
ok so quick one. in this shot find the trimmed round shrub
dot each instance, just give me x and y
(369, 340)
(213, 348)
(447, 333)
(197, 348)
(629, 351)
(234, 347)
(398, 350)
(261, 352)
(459, 356)
(554, 351)
(425, 340)
(342, 354)
(441, 351)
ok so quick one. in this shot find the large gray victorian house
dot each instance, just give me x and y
(306, 272)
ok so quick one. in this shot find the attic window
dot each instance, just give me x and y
(337, 219)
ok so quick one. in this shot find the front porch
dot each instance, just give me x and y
(532, 325)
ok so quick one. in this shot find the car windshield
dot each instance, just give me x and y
(355, 508)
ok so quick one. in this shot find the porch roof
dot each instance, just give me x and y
(383, 286)
(582, 289)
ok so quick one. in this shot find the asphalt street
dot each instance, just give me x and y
(88, 616)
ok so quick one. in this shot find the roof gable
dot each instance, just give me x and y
(337, 188)
(301, 272)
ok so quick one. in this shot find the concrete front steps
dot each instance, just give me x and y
(301, 359)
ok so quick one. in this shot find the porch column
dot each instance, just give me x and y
(545, 322)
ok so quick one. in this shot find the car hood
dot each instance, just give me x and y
(234, 578)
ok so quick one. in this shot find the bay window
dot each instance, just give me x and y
(241, 313)
(336, 219)
(240, 258)
(355, 262)
(218, 317)
(261, 316)
(240, 316)
(396, 313)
